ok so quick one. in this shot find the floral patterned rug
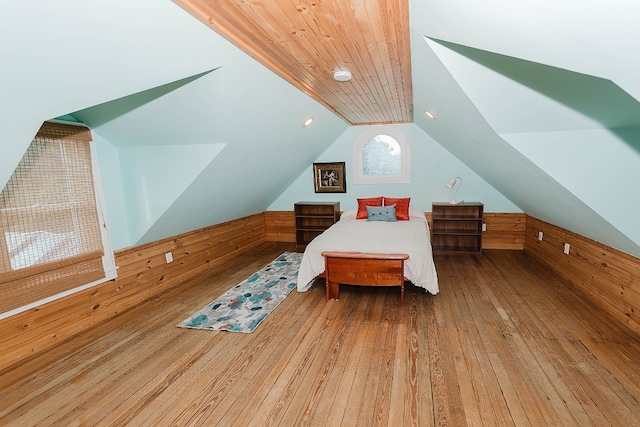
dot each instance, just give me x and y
(243, 307)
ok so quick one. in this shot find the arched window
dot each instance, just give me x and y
(381, 155)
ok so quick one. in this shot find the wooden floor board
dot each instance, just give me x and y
(353, 387)
(256, 365)
(542, 363)
(519, 369)
(567, 365)
(504, 343)
(312, 403)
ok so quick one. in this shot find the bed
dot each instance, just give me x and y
(353, 239)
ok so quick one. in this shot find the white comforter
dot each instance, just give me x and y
(359, 235)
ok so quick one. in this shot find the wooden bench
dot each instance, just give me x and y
(364, 269)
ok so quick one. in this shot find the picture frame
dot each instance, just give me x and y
(329, 177)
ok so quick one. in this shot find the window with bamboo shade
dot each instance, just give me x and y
(50, 230)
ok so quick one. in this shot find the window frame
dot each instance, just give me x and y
(360, 178)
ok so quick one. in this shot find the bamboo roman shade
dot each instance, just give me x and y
(50, 239)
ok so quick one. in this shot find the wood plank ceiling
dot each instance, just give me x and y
(306, 41)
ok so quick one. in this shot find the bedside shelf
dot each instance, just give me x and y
(312, 218)
(456, 229)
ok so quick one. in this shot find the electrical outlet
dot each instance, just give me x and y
(566, 248)
(484, 227)
(169, 257)
(540, 234)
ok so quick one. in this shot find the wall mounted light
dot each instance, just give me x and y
(307, 122)
(457, 183)
(429, 114)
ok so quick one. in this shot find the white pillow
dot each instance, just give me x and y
(414, 212)
(349, 213)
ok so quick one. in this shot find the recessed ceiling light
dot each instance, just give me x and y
(307, 122)
(429, 114)
(342, 76)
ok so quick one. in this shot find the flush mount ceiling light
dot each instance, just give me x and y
(307, 122)
(429, 114)
(342, 76)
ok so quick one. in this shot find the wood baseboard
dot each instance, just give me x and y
(609, 278)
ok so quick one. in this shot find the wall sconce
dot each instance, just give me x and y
(451, 184)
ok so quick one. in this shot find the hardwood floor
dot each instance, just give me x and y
(504, 343)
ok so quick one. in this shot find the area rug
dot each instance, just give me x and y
(243, 307)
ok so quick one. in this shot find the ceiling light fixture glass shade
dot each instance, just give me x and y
(342, 76)
(307, 122)
(451, 184)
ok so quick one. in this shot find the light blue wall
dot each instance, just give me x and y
(431, 167)
(162, 93)
(535, 158)
(62, 56)
(598, 166)
(156, 176)
(115, 208)
(223, 136)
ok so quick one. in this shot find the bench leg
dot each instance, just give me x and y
(333, 290)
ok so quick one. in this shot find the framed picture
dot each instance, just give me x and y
(329, 177)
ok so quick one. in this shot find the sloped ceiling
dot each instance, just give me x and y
(558, 106)
(539, 99)
(576, 100)
(59, 57)
(462, 129)
(306, 42)
(254, 116)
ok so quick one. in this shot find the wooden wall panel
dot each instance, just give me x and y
(280, 226)
(609, 278)
(142, 273)
(504, 231)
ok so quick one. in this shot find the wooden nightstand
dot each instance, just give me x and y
(456, 229)
(312, 218)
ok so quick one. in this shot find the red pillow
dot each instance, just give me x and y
(363, 203)
(402, 206)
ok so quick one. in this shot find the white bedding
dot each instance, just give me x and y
(359, 235)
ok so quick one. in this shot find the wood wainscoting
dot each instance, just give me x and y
(609, 278)
(142, 273)
(280, 226)
(504, 230)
